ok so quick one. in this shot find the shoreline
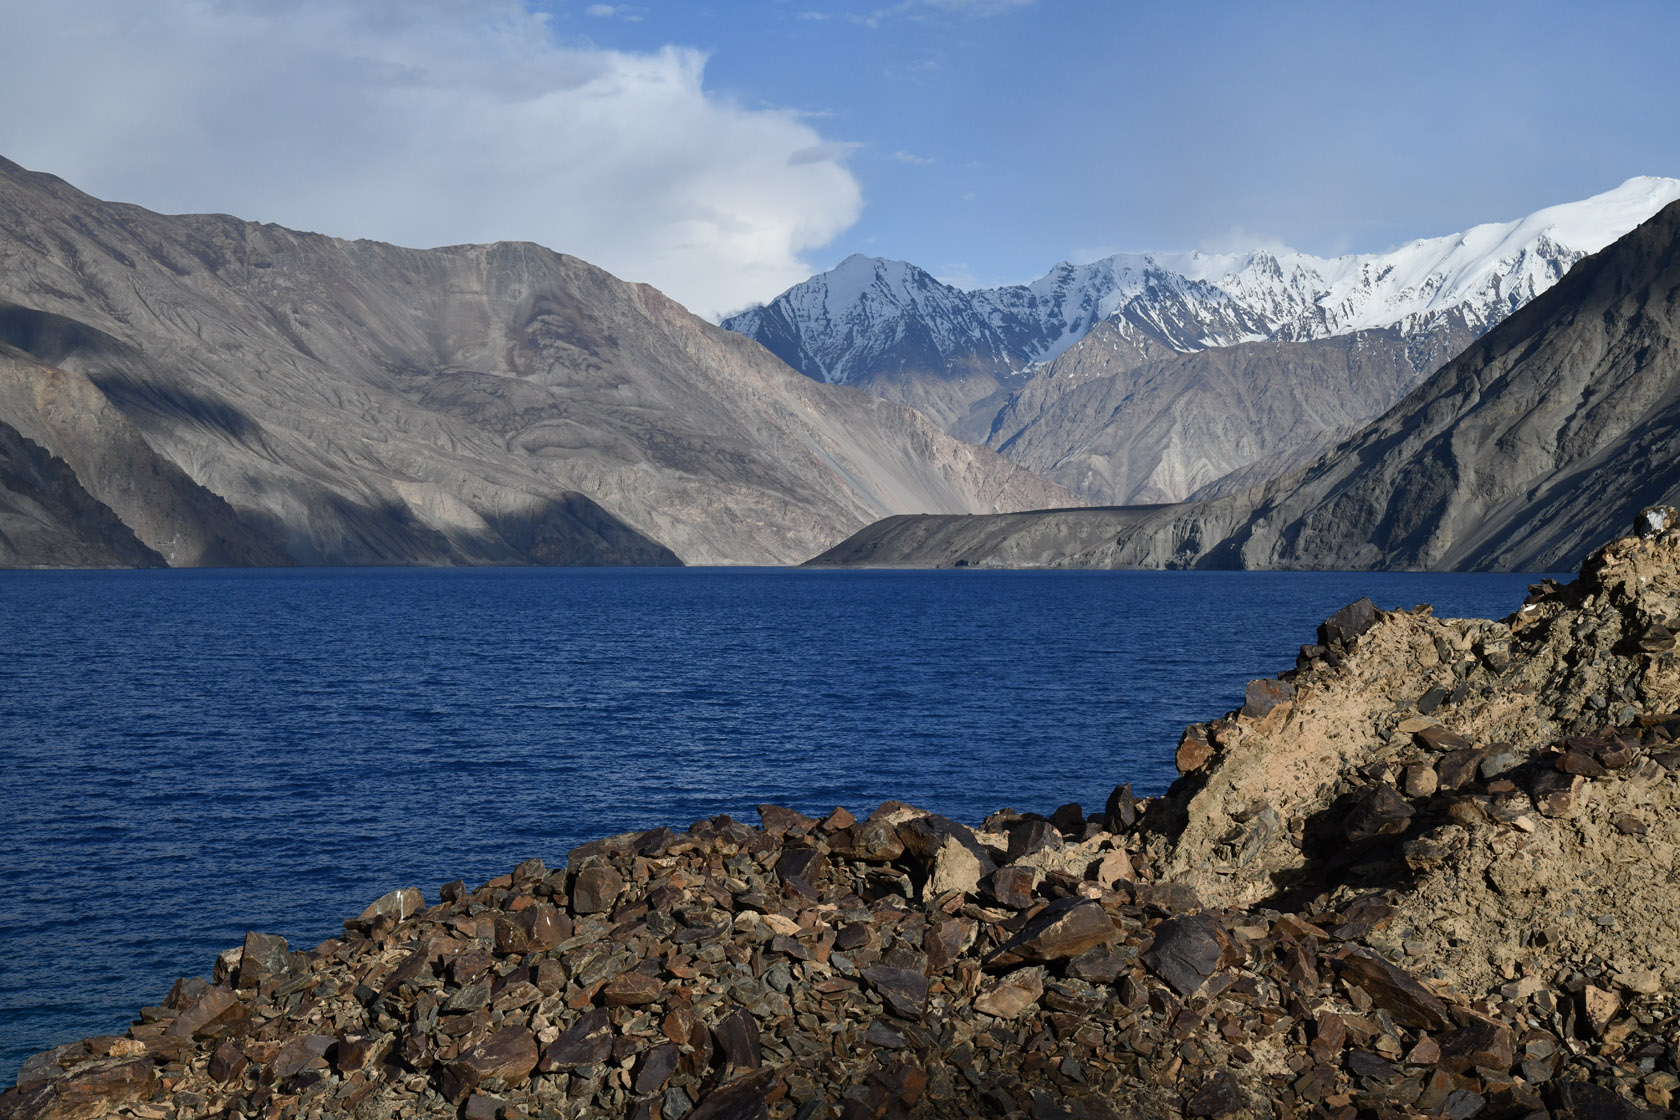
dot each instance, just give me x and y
(1178, 957)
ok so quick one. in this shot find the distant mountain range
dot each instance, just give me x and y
(1149, 377)
(202, 390)
(1540, 441)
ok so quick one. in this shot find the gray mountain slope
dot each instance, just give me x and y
(1540, 441)
(48, 520)
(354, 402)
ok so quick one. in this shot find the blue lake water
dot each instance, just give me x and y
(191, 754)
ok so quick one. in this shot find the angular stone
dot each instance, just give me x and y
(1220, 1095)
(1114, 866)
(869, 841)
(1479, 1043)
(1380, 812)
(508, 1057)
(737, 1038)
(1395, 991)
(1458, 768)
(481, 1106)
(1069, 819)
(945, 941)
(87, 1092)
(904, 991)
(1262, 696)
(1430, 701)
(1580, 762)
(1032, 836)
(1438, 738)
(1348, 623)
(216, 1008)
(587, 1042)
(227, 1063)
(1120, 810)
(632, 989)
(398, 905)
(1186, 951)
(356, 1050)
(955, 868)
(1194, 750)
(741, 1099)
(779, 821)
(1063, 929)
(531, 930)
(595, 889)
(657, 1066)
(265, 956)
(1011, 886)
(1012, 993)
(301, 1053)
(1420, 781)
(801, 863)
(1598, 1008)
(1101, 965)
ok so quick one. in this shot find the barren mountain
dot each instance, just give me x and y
(1541, 438)
(313, 400)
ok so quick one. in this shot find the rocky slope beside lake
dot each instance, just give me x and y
(1429, 871)
(293, 398)
(1542, 438)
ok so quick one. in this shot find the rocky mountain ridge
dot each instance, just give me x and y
(1537, 440)
(1428, 871)
(1013, 367)
(297, 398)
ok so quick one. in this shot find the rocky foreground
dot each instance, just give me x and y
(1431, 871)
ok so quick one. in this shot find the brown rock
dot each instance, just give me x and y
(1438, 738)
(1194, 750)
(904, 991)
(1186, 951)
(85, 1093)
(1065, 928)
(1479, 1043)
(507, 1057)
(1101, 965)
(215, 1009)
(657, 1066)
(595, 889)
(301, 1053)
(265, 956)
(1032, 836)
(1395, 991)
(1012, 993)
(632, 989)
(1120, 811)
(1420, 781)
(1380, 812)
(1220, 1095)
(1598, 1008)
(1011, 886)
(945, 941)
(1458, 768)
(587, 1042)
(779, 821)
(227, 1063)
(1580, 762)
(396, 905)
(737, 1038)
(871, 841)
(741, 1099)
(533, 929)
(1262, 696)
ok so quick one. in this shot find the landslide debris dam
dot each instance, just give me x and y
(1429, 871)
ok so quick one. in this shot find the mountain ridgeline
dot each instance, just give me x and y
(196, 389)
(1153, 378)
(1543, 437)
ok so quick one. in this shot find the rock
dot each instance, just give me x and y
(1598, 1008)
(1063, 929)
(1101, 965)
(632, 989)
(1220, 1095)
(532, 929)
(216, 1008)
(1011, 886)
(1381, 811)
(481, 1106)
(955, 868)
(779, 821)
(506, 1058)
(806, 864)
(596, 889)
(1194, 751)
(1262, 696)
(586, 1042)
(1556, 794)
(1419, 781)
(266, 956)
(227, 1063)
(1114, 866)
(1120, 810)
(1430, 701)
(658, 1064)
(737, 1039)
(1653, 521)
(1012, 994)
(1458, 768)
(1499, 759)
(871, 841)
(1032, 836)
(1347, 624)
(904, 992)
(1069, 820)
(1438, 738)
(1479, 1043)
(741, 1099)
(86, 1092)
(395, 905)
(946, 941)
(1186, 951)
(1395, 991)
(304, 1052)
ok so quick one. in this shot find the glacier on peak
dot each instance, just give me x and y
(854, 320)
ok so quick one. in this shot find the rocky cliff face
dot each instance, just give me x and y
(352, 402)
(1112, 379)
(1429, 871)
(1537, 440)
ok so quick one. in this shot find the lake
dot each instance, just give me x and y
(192, 754)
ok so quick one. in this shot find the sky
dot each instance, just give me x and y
(725, 151)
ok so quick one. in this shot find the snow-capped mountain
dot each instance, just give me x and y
(868, 317)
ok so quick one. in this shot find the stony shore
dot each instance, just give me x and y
(1430, 871)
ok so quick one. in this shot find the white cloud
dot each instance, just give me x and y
(609, 11)
(425, 122)
(912, 159)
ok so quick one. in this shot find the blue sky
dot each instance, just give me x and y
(724, 151)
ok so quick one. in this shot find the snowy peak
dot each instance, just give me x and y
(869, 317)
